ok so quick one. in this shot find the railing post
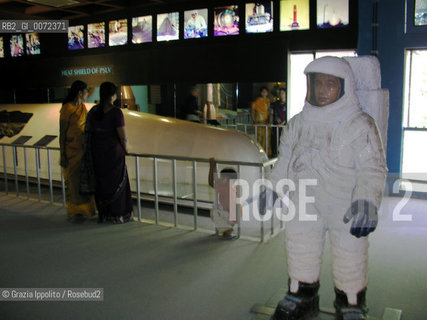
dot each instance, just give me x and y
(156, 191)
(215, 178)
(266, 140)
(175, 196)
(49, 170)
(138, 187)
(27, 183)
(281, 212)
(238, 207)
(38, 174)
(195, 193)
(6, 190)
(14, 151)
(272, 220)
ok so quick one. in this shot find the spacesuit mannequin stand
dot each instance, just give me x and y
(333, 142)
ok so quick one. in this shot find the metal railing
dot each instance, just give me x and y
(48, 179)
(269, 131)
(239, 117)
(27, 177)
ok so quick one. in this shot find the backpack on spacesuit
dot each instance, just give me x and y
(373, 99)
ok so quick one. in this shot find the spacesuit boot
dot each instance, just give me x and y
(346, 311)
(303, 304)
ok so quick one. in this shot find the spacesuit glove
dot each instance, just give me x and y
(365, 218)
(267, 198)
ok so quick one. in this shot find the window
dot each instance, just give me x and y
(414, 160)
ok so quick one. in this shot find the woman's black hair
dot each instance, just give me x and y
(229, 173)
(76, 87)
(263, 88)
(106, 91)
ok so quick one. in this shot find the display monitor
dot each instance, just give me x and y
(142, 29)
(332, 13)
(168, 26)
(420, 18)
(76, 39)
(16, 45)
(1, 48)
(226, 21)
(32, 43)
(96, 35)
(294, 15)
(195, 23)
(118, 32)
(259, 17)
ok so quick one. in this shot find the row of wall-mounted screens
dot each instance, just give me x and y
(17, 47)
(294, 15)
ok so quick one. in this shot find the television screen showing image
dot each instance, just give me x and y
(226, 21)
(332, 13)
(32, 43)
(118, 32)
(96, 35)
(1, 48)
(195, 25)
(17, 45)
(259, 17)
(142, 29)
(76, 39)
(168, 26)
(294, 15)
(420, 13)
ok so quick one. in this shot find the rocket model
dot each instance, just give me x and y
(295, 23)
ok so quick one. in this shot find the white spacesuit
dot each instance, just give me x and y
(334, 142)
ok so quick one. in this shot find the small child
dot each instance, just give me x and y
(224, 212)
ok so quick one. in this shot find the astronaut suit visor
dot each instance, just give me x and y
(323, 89)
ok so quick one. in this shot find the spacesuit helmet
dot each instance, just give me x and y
(324, 89)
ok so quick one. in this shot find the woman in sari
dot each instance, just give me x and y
(106, 136)
(71, 127)
(260, 115)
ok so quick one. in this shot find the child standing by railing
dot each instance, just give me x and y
(223, 213)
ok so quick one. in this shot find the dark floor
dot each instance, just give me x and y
(153, 272)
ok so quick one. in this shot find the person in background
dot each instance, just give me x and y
(71, 127)
(105, 138)
(224, 212)
(191, 107)
(278, 118)
(260, 114)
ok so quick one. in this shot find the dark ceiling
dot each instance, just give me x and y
(71, 9)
